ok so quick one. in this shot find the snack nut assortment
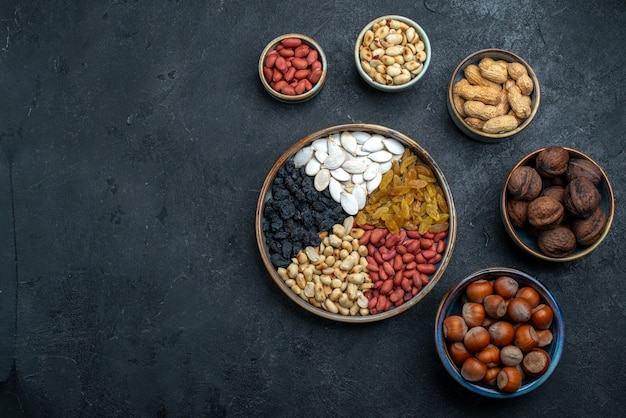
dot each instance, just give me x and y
(357, 223)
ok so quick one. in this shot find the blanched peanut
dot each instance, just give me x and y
(332, 276)
(390, 47)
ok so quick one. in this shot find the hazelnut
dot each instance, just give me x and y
(552, 161)
(517, 212)
(545, 211)
(582, 197)
(588, 231)
(578, 167)
(556, 242)
(524, 183)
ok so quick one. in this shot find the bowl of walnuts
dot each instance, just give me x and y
(557, 204)
(493, 94)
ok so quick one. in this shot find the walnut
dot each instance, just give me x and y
(552, 161)
(557, 242)
(589, 230)
(516, 209)
(545, 211)
(524, 183)
(581, 198)
(577, 167)
(556, 192)
(558, 181)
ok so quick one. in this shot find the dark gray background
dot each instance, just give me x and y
(135, 137)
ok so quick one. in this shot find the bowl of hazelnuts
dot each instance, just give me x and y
(557, 204)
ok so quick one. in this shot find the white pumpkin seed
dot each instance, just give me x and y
(312, 167)
(321, 156)
(349, 203)
(320, 144)
(335, 188)
(375, 143)
(335, 160)
(340, 174)
(371, 171)
(384, 167)
(360, 194)
(393, 146)
(361, 136)
(354, 166)
(302, 157)
(358, 179)
(348, 142)
(360, 152)
(374, 183)
(334, 145)
(321, 180)
(380, 156)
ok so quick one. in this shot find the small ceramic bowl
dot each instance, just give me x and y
(416, 66)
(332, 134)
(526, 237)
(452, 304)
(455, 110)
(272, 76)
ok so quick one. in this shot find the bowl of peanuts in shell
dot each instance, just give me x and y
(493, 94)
(356, 223)
(293, 68)
(392, 53)
(499, 332)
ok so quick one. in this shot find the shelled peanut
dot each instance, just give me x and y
(292, 67)
(494, 96)
(333, 276)
(364, 271)
(392, 52)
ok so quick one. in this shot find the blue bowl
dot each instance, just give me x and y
(452, 303)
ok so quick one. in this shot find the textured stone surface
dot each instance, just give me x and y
(135, 137)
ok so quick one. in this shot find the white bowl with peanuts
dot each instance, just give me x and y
(493, 94)
(392, 53)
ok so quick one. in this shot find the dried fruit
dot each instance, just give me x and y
(408, 198)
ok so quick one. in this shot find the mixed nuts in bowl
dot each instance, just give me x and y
(499, 332)
(392, 53)
(356, 222)
(493, 94)
(557, 204)
(293, 68)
